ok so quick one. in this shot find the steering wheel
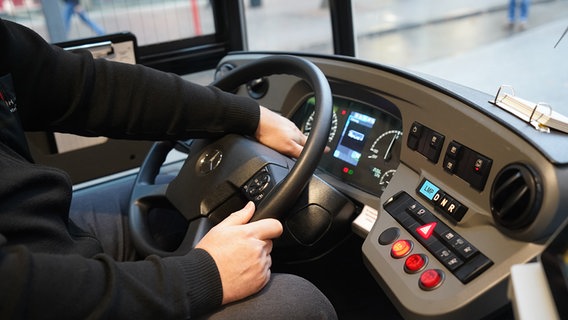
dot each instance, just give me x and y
(220, 176)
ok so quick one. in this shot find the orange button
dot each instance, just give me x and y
(415, 262)
(431, 279)
(401, 248)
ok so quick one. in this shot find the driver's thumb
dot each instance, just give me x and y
(240, 217)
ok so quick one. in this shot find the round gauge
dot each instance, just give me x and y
(385, 145)
(385, 178)
(309, 122)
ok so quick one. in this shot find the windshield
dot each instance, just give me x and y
(469, 42)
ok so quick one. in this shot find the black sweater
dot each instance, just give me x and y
(46, 269)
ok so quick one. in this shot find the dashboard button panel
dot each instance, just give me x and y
(258, 186)
(459, 160)
(426, 141)
(459, 256)
(467, 164)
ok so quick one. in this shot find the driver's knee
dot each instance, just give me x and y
(285, 296)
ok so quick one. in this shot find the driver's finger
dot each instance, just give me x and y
(302, 138)
(266, 228)
(295, 150)
(240, 217)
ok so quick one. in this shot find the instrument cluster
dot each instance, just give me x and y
(364, 142)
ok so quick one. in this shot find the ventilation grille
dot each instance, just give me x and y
(516, 196)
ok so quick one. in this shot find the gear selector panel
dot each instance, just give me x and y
(458, 255)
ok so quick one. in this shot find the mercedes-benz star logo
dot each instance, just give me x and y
(209, 160)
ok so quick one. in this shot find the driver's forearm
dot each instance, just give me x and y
(46, 286)
(62, 91)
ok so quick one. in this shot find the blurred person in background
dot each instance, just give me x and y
(522, 6)
(74, 7)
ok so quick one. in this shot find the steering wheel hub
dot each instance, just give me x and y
(209, 161)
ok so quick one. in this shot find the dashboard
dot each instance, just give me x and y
(453, 190)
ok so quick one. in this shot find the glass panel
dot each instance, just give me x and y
(152, 21)
(472, 43)
(291, 25)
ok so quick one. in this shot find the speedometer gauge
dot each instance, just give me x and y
(309, 122)
(384, 153)
(384, 146)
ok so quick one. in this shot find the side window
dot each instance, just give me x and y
(180, 36)
(297, 26)
(152, 21)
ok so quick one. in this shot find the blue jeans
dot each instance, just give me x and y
(524, 10)
(68, 12)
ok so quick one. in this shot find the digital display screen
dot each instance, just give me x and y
(364, 140)
(353, 137)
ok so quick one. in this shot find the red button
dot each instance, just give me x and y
(425, 231)
(431, 279)
(415, 263)
(401, 248)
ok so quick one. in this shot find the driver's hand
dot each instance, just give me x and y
(241, 251)
(279, 133)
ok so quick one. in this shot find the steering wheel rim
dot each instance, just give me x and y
(283, 195)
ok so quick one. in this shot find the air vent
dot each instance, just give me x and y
(257, 88)
(516, 196)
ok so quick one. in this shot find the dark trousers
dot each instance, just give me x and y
(103, 212)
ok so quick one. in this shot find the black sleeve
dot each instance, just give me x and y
(75, 93)
(45, 286)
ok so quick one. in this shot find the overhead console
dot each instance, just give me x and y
(453, 191)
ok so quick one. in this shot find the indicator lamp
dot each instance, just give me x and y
(348, 171)
(401, 248)
(431, 279)
(415, 262)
